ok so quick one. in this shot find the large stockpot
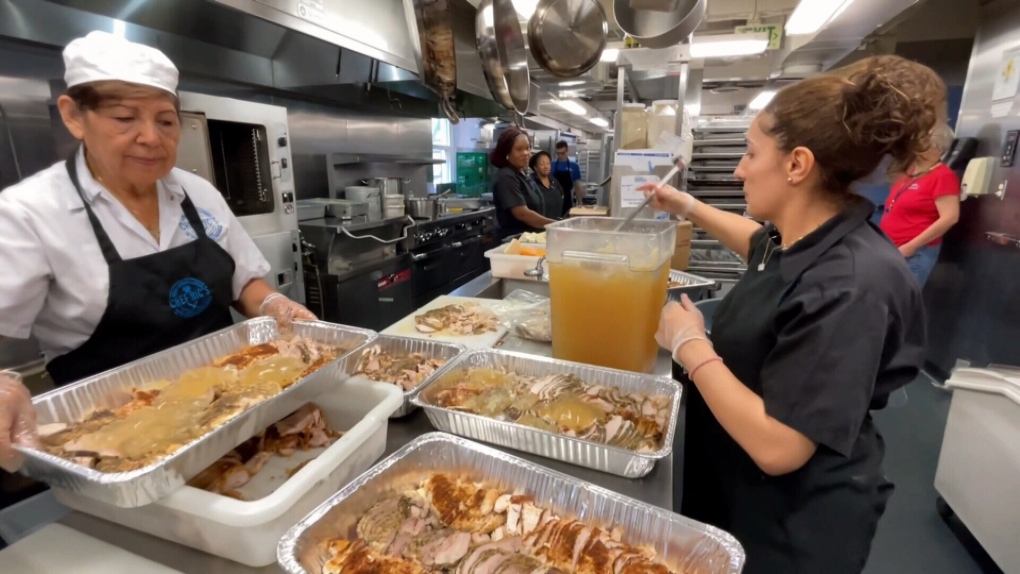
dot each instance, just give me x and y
(504, 54)
(567, 37)
(422, 208)
(657, 29)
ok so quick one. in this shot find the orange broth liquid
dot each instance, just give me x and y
(606, 317)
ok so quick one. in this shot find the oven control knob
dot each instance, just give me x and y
(282, 141)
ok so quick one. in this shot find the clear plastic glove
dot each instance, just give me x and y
(17, 419)
(284, 310)
(680, 324)
(669, 199)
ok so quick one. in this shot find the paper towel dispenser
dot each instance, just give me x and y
(978, 177)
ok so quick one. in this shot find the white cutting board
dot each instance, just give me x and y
(57, 549)
(406, 326)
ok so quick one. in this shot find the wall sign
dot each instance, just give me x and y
(1007, 79)
(774, 32)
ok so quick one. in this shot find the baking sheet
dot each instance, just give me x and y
(682, 544)
(406, 326)
(406, 346)
(111, 389)
(597, 456)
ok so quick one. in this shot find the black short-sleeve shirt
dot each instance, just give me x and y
(826, 330)
(510, 189)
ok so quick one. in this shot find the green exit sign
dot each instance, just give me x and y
(774, 31)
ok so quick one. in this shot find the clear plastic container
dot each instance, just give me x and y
(607, 289)
(633, 127)
(661, 118)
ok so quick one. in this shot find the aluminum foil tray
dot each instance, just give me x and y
(682, 544)
(598, 456)
(694, 286)
(407, 345)
(109, 390)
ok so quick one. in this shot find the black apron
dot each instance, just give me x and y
(155, 302)
(819, 519)
(566, 181)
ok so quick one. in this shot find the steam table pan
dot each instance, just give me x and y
(684, 545)
(589, 454)
(106, 390)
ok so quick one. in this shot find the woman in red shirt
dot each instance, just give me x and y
(922, 206)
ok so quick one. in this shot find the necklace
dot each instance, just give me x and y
(771, 248)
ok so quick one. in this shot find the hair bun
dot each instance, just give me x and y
(878, 115)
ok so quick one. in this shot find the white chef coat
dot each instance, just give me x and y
(54, 281)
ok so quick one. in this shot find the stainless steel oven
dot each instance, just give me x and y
(243, 148)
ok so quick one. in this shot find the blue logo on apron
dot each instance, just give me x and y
(189, 297)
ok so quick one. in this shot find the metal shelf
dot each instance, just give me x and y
(350, 159)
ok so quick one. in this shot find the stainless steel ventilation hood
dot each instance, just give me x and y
(352, 52)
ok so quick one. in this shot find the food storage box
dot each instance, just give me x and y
(511, 266)
(248, 531)
(138, 487)
(684, 545)
(607, 289)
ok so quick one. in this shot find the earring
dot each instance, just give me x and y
(789, 180)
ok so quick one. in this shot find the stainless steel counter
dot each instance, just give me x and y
(657, 488)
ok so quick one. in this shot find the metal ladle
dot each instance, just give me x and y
(633, 214)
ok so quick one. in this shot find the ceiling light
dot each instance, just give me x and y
(525, 8)
(610, 55)
(761, 100)
(811, 15)
(601, 122)
(728, 45)
(573, 107)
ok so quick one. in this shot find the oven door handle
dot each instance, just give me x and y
(403, 236)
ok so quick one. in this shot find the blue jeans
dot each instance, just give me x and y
(923, 261)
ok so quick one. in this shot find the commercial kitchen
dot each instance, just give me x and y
(353, 142)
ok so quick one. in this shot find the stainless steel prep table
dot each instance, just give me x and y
(657, 488)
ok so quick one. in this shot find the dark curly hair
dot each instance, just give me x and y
(504, 146)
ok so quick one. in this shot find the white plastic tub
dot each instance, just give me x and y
(511, 266)
(248, 531)
(979, 466)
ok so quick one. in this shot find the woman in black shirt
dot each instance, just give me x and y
(780, 448)
(557, 204)
(520, 206)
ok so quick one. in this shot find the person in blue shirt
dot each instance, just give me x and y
(568, 173)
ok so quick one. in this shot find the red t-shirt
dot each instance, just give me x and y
(910, 207)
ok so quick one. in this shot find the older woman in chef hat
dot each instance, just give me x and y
(115, 254)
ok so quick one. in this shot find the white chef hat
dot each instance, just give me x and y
(102, 56)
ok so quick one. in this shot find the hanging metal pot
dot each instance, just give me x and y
(432, 35)
(504, 54)
(567, 37)
(657, 29)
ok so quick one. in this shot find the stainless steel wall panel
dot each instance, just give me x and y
(973, 310)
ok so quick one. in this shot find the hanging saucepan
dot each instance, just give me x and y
(437, 54)
(504, 54)
(657, 29)
(567, 37)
